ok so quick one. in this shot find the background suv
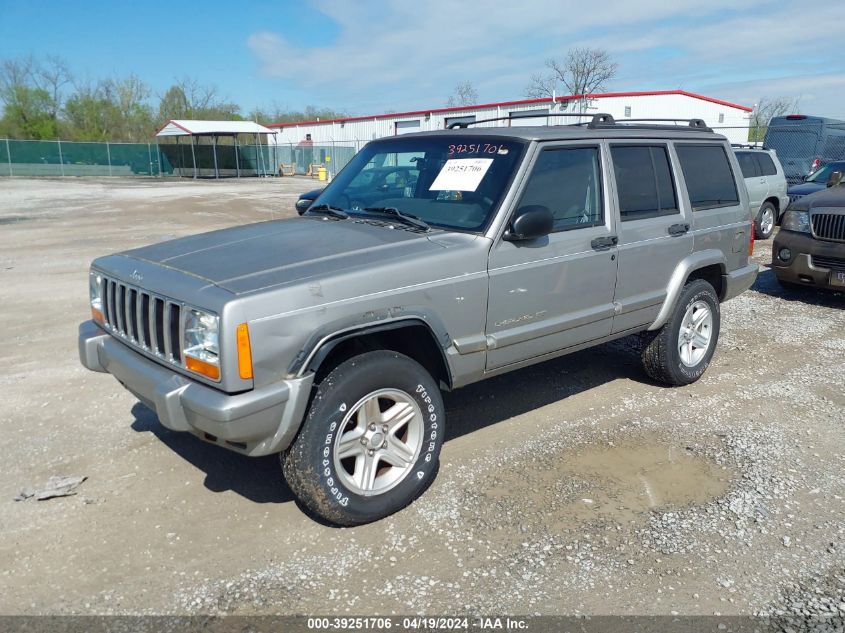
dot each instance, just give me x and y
(766, 185)
(809, 250)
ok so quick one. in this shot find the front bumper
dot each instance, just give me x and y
(257, 422)
(800, 267)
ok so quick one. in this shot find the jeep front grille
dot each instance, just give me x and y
(829, 226)
(143, 319)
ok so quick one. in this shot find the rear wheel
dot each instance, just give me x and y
(679, 352)
(371, 441)
(764, 225)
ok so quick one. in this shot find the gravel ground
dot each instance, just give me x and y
(572, 487)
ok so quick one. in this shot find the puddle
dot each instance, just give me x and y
(648, 476)
(616, 484)
(14, 219)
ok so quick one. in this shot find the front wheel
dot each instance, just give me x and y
(764, 225)
(370, 442)
(679, 352)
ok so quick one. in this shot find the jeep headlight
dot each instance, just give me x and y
(202, 352)
(95, 292)
(798, 221)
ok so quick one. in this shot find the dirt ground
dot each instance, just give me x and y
(572, 487)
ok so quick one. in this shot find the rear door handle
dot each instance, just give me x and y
(604, 242)
(678, 229)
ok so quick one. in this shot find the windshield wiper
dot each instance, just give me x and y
(407, 218)
(335, 212)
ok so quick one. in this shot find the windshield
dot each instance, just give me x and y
(452, 182)
(822, 175)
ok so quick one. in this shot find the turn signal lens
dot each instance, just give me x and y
(97, 315)
(201, 367)
(244, 352)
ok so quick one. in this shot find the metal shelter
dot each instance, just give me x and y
(214, 130)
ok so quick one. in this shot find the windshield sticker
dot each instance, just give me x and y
(461, 174)
(477, 148)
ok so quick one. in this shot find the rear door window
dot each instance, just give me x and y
(750, 168)
(644, 181)
(708, 174)
(767, 165)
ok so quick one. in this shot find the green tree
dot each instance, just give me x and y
(279, 114)
(32, 97)
(189, 99)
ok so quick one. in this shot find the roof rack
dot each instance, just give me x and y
(596, 119)
(698, 124)
(600, 120)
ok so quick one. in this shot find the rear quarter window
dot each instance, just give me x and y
(767, 165)
(707, 172)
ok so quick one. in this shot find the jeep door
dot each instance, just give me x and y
(653, 229)
(554, 292)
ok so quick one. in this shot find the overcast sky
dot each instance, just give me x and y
(367, 56)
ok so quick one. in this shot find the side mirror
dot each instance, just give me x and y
(529, 223)
(835, 179)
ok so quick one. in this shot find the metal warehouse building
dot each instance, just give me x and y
(728, 118)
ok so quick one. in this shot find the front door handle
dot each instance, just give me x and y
(604, 242)
(678, 229)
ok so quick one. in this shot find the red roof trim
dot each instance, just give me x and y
(176, 124)
(481, 106)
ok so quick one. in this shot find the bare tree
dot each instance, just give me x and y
(582, 72)
(51, 77)
(465, 94)
(765, 110)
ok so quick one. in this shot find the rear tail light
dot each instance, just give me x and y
(795, 117)
(751, 242)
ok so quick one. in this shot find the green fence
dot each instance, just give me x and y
(202, 160)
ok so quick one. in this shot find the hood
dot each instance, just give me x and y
(804, 189)
(256, 256)
(825, 198)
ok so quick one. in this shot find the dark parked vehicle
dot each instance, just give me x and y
(306, 199)
(816, 181)
(809, 250)
(804, 143)
(370, 185)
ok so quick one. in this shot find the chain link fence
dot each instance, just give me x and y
(201, 160)
(798, 147)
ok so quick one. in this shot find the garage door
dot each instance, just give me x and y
(406, 127)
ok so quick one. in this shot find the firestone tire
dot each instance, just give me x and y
(371, 440)
(678, 353)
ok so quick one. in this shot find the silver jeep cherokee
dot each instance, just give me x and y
(328, 337)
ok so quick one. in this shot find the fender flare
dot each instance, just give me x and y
(322, 342)
(679, 277)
